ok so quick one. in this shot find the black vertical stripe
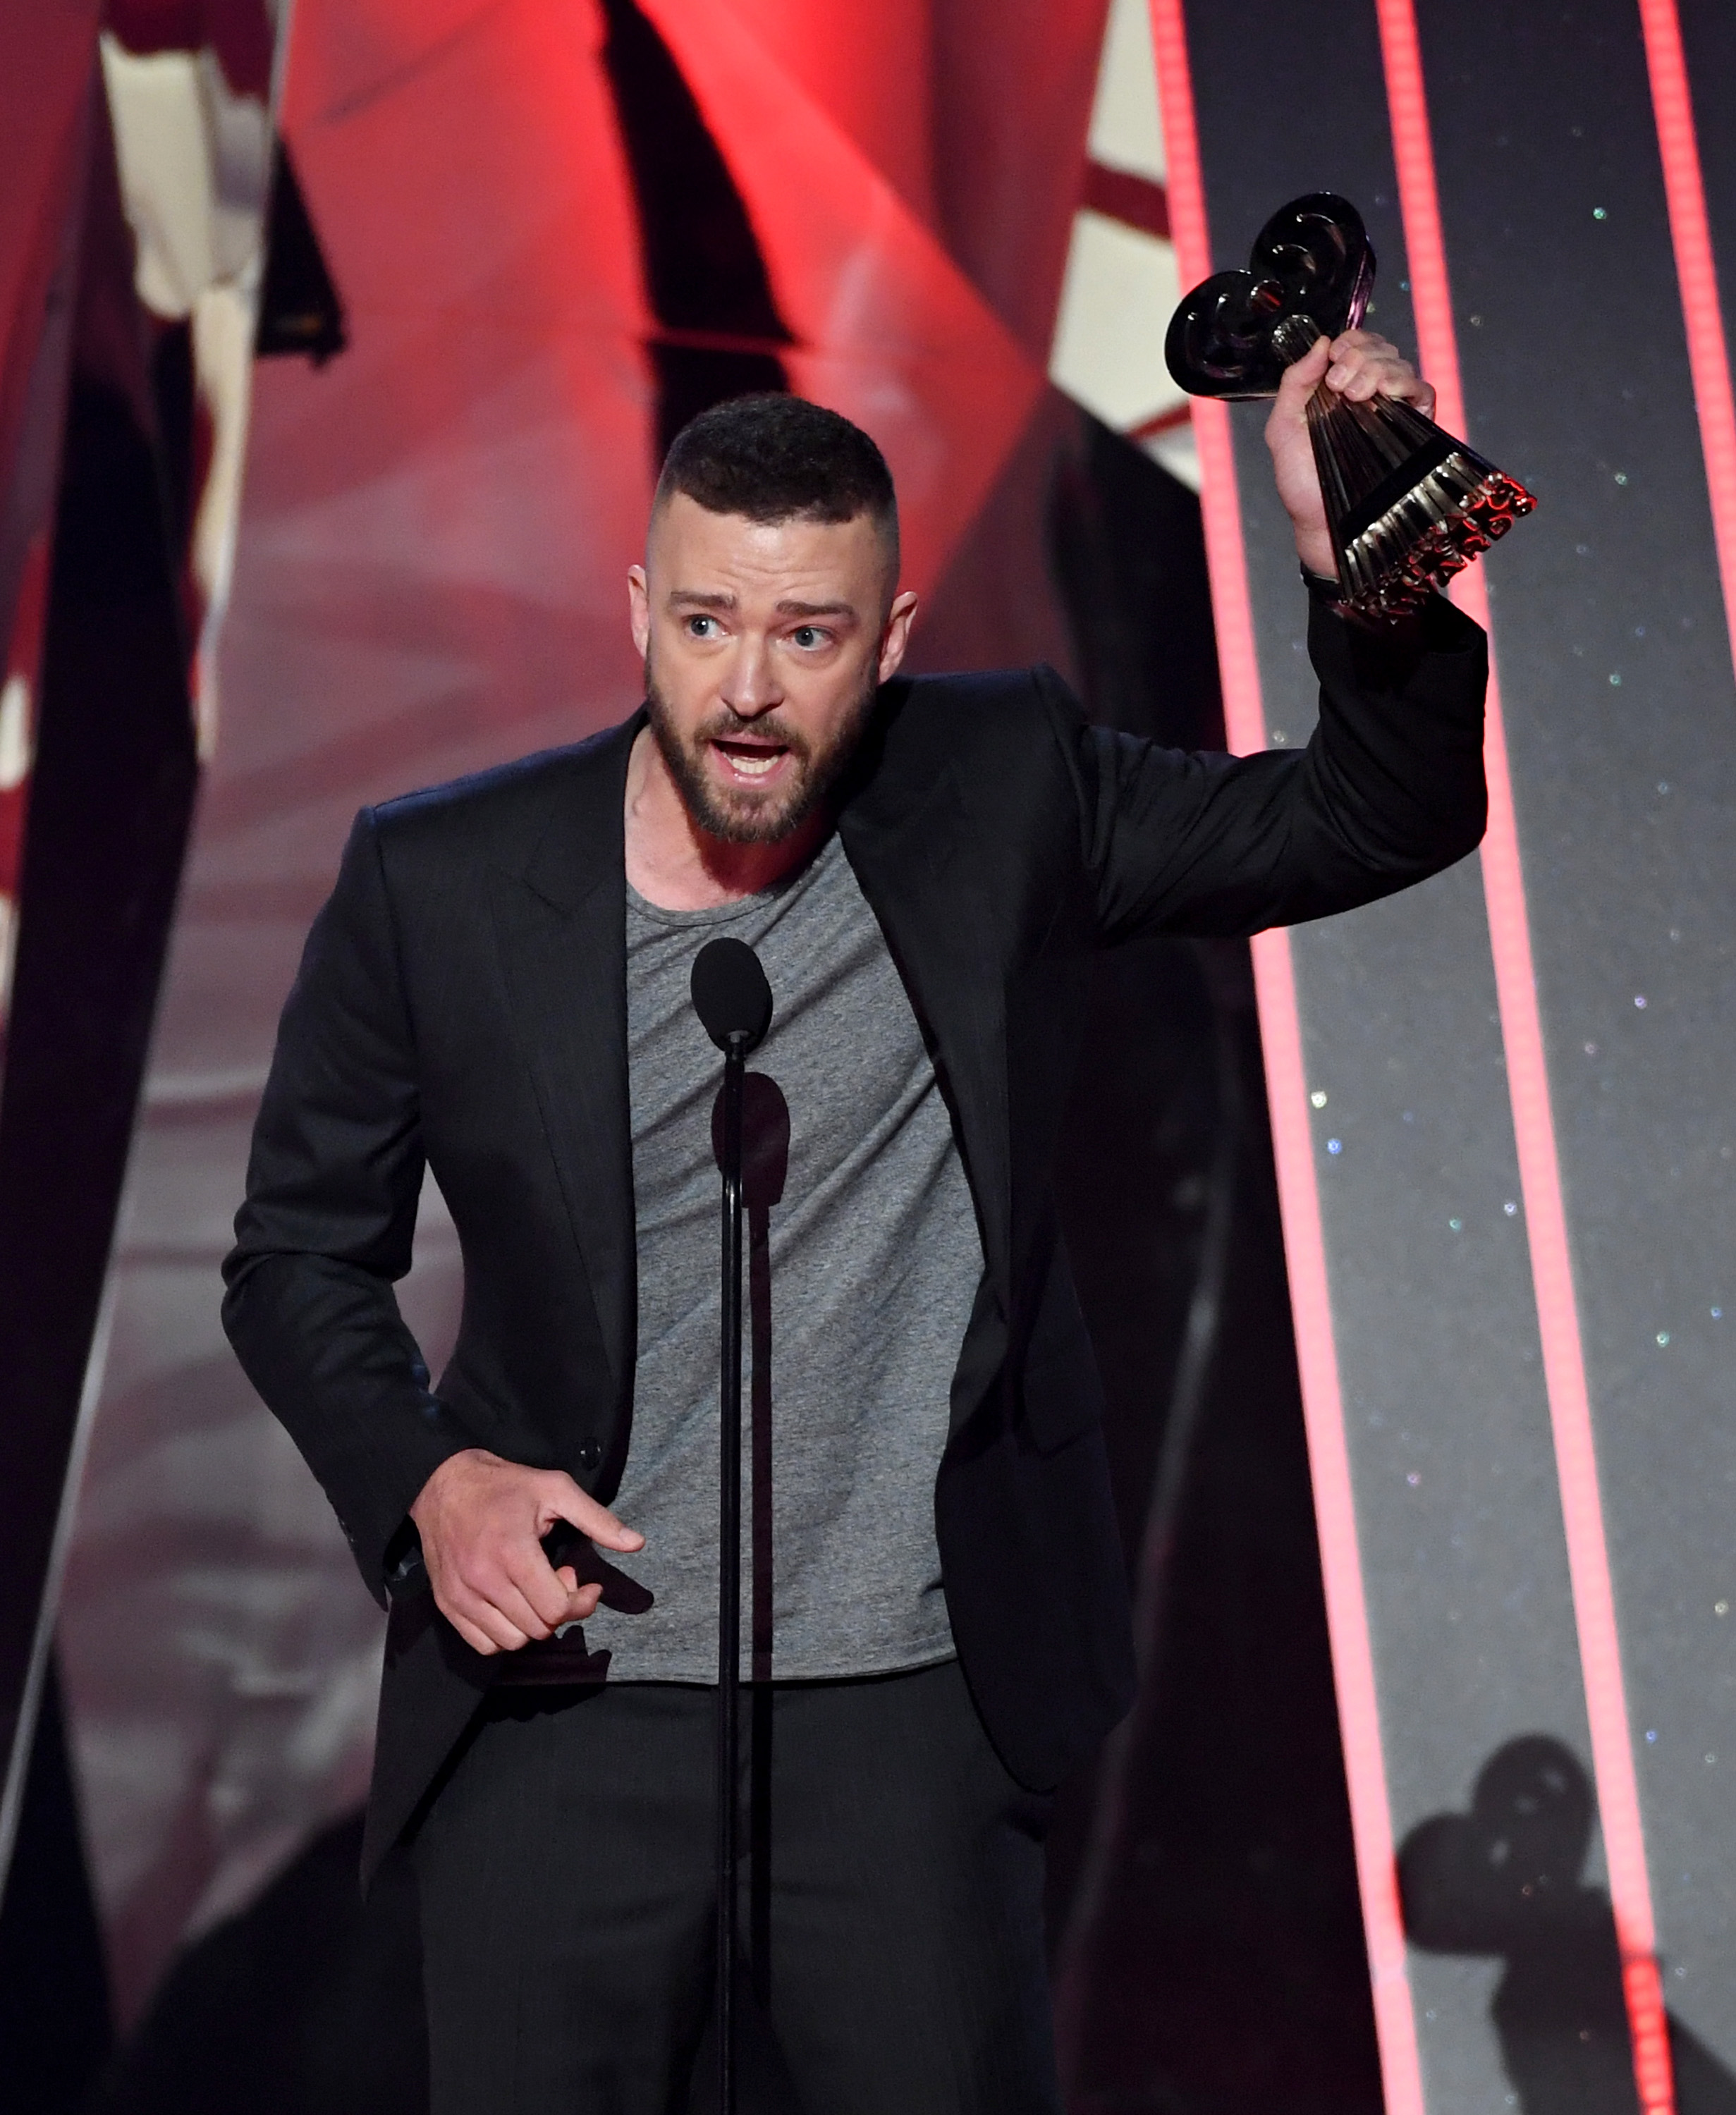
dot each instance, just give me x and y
(705, 274)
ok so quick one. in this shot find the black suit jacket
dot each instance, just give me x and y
(462, 1003)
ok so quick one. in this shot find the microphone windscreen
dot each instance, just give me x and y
(731, 995)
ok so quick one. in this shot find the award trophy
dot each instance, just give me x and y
(1407, 504)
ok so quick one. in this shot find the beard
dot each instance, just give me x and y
(742, 815)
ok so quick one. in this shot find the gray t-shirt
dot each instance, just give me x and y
(863, 1260)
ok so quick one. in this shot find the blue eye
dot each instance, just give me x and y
(807, 634)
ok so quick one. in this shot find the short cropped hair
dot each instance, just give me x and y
(774, 457)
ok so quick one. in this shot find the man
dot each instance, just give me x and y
(497, 990)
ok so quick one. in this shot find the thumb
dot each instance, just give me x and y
(1302, 376)
(563, 1500)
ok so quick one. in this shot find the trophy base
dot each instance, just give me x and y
(1409, 505)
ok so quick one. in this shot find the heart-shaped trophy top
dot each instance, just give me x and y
(1310, 271)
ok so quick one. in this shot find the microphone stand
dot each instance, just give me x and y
(733, 1001)
(729, 1568)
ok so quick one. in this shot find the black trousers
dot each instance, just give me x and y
(891, 1902)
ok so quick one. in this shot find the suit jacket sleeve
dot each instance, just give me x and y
(332, 1187)
(1389, 790)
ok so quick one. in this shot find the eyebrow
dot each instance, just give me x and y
(697, 598)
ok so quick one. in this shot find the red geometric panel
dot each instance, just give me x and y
(889, 329)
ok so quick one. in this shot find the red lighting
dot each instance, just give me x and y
(1707, 358)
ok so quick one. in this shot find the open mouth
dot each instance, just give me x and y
(751, 763)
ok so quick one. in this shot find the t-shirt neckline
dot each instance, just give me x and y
(726, 914)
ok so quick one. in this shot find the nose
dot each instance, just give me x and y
(750, 687)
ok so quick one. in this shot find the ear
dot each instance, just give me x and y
(639, 608)
(896, 635)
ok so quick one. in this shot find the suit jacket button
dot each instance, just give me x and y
(589, 1453)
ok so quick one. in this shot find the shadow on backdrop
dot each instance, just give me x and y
(1507, 1879)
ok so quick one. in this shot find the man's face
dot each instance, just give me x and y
(764, 644)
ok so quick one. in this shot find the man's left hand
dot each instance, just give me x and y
(1358, 366)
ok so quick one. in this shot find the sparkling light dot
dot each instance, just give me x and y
(1599, 212)
(1651, 1733)
(1720, 1607)
(1615, 681)
(1510, 1207)
(1335, 1146)
(1639, 1000)
(1455, 1224)
(1319, 1098)
(1663, 1336)
(1412, 1478)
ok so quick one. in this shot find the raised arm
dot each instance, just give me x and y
(1389, 790)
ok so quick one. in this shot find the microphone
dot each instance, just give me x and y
(731, 996)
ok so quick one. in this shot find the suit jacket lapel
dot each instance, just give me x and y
(561, 922)
(907, 848)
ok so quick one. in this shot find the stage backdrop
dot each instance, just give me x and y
(1504, 1152)
(550, 226)
(1502, 1102)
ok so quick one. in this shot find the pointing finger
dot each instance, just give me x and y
(564, 1500)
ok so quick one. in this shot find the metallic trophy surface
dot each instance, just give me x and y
(1407, 505)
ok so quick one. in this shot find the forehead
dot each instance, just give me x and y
(692, 548)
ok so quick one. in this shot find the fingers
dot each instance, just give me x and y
(481, 1522)
(487, 1627)
(478, 1640)
(480, 1625)
(491, 1590)
(530, 1576)
(562, 1499)
(492, 1601)
(1299, 381)
(1363, 366)
(581, 1601)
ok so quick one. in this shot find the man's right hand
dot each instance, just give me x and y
(482, 1520)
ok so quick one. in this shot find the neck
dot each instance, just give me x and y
(674, 863)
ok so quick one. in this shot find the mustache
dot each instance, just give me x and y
(768, 728)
